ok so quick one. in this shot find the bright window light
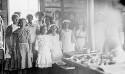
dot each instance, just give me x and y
(23, 6)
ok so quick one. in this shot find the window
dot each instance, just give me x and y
(23, 6)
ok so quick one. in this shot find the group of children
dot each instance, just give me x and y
(39, 45)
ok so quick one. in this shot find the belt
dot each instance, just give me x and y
(23, 43)
(80, 37)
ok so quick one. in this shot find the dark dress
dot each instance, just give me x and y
(11, 63)
(22, 41)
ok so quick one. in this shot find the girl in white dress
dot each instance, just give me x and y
(67, 38)
(80, 35)
(44, 46)
(56, 45)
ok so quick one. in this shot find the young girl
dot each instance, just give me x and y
(33, 31)
(56, 44)
(80, 35)
(44, 46)
(67, 38)
(22, 43)
(10, 55)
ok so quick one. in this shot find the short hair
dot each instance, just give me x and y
(29, 15)
(20, 20)
(14, 16)
(39, 14)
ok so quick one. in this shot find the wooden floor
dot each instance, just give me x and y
(53, 70)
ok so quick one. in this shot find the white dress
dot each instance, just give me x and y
(43, 46)
(56, 49)
(66, 38)
(33, 32)
(80, 39)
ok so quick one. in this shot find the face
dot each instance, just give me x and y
(15, 19)
(66, 25)
(44, 30)
(56, 16)
(54, 28)
(30, 18)
(23, 23)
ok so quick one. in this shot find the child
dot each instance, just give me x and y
(22, 44)
(10, 63)
(80, 36)
(33, 31)
(44, 46)
(56, 44)
(67, 38)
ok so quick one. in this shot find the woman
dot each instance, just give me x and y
(67, 37)
(22, 41)
(40, 22)
(32, 27)
(56, 44)
(10, 54)
(33, 31)
(44, 46)
(80, 35)
(56, 18)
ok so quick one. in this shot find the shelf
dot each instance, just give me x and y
(52, 7)
(64, 7)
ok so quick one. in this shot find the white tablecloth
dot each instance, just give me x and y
(114, 69)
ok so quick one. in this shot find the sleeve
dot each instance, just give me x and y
(72, 37)
(8, 31)
(29, 37)
(37, 29)
(14, 41)
(8, 34)
(51, 44)
(60, 36)
(60, 44)
(36, 43)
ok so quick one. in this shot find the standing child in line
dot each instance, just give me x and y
(44, 46)
(56, 49)
(80, 36)
(22, 43)
(56, 44)
(10, 54)
(67, 38)
(33, 31)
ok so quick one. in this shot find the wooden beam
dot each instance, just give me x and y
(92, 23)
(90, 43)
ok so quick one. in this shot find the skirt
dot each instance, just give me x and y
(26, 55)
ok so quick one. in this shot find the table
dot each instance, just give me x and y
(80, 68)
(118, 68)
